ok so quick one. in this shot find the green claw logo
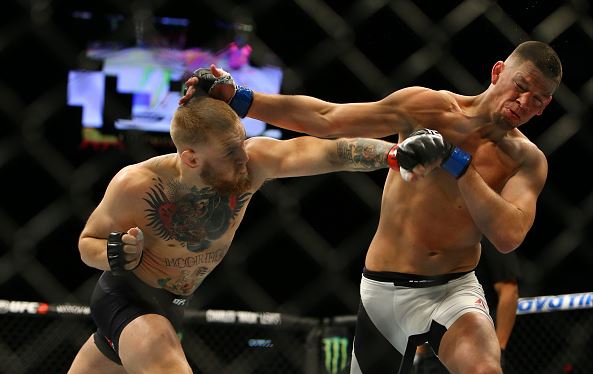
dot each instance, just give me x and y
(335, 350)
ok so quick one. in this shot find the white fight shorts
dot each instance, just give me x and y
(400, 311)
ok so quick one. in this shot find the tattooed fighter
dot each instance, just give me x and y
(164, 224)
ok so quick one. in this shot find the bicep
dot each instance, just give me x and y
(295, 157)
(394, 114)
(523, 188)
(99, 224)
(114, 212)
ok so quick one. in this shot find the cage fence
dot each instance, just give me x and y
(553, 334)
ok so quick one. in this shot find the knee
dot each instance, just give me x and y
(485, 367)
(474, 365)
(158, 353)
(151, 344)
(157, 345)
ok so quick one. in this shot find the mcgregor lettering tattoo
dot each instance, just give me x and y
(203, 258)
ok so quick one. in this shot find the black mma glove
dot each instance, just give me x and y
(116, 255)
(426, 147)
(224, 88)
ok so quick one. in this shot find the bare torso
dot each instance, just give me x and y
(187, 229)
(425, 227)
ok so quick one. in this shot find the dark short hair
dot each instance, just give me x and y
(201, 119)
(542, 56)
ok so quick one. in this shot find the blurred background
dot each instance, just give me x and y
(87, 87)
(301, 247)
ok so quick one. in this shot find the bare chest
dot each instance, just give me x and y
(494, 165)
(190, 219)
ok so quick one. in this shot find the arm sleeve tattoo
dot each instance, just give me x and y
(363, 154)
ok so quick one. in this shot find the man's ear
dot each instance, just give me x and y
(496, 71)
(190, 158)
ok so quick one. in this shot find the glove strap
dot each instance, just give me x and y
(242, 101)
(457, 163)
(392, 158)
(115, 253)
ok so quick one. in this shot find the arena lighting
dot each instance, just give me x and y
(137, 88)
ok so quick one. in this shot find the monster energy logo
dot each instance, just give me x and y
(336, 354)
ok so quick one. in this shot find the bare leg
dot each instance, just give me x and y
(470, 346)
(90, 360)
(149, 344)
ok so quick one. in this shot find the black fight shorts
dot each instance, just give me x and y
(118, 300)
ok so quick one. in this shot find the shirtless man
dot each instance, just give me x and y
(418, 283)
(165, 223)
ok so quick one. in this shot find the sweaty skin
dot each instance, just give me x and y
(434, 225)
(188, 226)
(436, 233)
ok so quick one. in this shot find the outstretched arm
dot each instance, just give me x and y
(308, 114)
(320, 118)
(306, 155)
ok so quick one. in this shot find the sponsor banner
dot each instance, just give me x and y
(336, 354)
(250, 318)
(552, 303)
(34, 307)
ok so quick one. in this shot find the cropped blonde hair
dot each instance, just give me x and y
(202, 118)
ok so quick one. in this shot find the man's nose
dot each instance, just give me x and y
(524, 99)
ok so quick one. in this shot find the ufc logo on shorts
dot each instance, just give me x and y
(180, 302)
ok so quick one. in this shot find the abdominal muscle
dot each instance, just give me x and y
(178, 270)
(424, 229)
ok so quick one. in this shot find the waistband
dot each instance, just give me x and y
(128, 282)
(412, 280)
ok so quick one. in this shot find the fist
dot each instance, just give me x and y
(423, 151)
(214, 81)
(133, 242)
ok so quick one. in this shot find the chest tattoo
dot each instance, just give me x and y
(193, 216)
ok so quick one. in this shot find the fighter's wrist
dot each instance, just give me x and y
(241, 101)
(392, 158)
(115, 253)
(457, 162)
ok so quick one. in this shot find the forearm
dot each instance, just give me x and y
(304, 114)
(362, 154)
(93, 252)
(323, 119)
(500, 221)
(297, 113)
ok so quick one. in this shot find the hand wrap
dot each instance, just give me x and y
(115, 253)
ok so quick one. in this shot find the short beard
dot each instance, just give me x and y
(226, 188)
(502, 123)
